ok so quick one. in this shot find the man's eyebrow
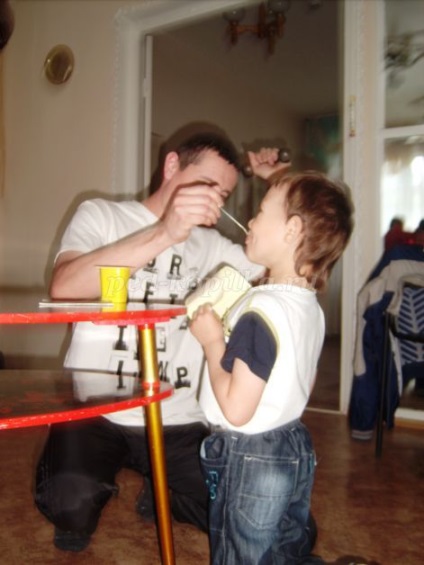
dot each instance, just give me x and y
(207, 181)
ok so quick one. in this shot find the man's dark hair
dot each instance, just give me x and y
(190, 150)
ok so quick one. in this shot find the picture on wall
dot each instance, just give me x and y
(323, 144)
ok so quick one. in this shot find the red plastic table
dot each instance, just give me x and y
(38, 397)
(57, 402)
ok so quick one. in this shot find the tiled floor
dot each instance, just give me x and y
(327, 386)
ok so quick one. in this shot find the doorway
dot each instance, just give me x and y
(133, 117)
(290, 97)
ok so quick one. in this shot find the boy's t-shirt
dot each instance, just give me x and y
(253, 342)
(294, 318)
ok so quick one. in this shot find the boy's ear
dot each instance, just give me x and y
(171, 165)
(294, 229)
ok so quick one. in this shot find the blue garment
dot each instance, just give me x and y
(365, 394)
(259, 495)
(399, 253)
(373, 300)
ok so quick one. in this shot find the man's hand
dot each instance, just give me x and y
(197, 204)
(206, 326)
(266, 163)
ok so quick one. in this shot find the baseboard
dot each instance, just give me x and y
(410, 424)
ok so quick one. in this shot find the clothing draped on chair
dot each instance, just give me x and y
(407, 309)
(373, 301)
(403, 344)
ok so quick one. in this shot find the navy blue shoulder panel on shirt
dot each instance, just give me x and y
(253, 342)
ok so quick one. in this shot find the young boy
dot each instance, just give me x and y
(259, 462)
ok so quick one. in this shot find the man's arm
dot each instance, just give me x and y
(76, 275)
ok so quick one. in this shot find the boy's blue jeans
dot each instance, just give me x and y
(259, 495)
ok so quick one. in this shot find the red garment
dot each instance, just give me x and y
(397, 237)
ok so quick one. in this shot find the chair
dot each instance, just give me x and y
(403, 344)
(373, 301)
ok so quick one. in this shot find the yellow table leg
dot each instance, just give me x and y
(150, 381)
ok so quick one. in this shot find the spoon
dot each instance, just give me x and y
(234, 220)
(222, 209)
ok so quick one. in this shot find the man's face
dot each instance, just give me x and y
(211, 169)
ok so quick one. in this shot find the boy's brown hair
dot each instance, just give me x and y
(326, 211)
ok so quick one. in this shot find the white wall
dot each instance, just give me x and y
(181, 74)
(59, 144)
(58, 138)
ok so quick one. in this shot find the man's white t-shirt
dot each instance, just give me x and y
(168, 279)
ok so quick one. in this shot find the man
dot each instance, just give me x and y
(396, 235)
(170, 247)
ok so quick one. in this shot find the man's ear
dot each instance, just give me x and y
(171, 165)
